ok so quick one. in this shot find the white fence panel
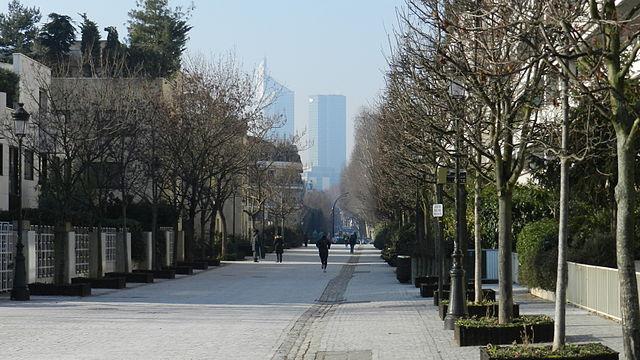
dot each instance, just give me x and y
(7, 251)
(492, 263)
(45, 252)
(82, 251)
(594, 288)
(109, 249)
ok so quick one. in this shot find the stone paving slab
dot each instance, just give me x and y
(245, 310)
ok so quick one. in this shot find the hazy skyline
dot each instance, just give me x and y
(313, 47)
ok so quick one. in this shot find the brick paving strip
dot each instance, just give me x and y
(302, 339)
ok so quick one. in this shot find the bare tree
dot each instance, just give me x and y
(604, 39)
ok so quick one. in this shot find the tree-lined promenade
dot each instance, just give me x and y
(536, 100)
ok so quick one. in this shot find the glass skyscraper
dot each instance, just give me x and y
(280, 102)
(327, 130)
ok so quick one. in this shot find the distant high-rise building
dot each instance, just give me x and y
(327, 130)
(280, 100)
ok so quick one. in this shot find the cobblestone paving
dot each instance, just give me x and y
(301, 341)
(243, 310)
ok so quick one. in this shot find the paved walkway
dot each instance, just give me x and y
(245, 310)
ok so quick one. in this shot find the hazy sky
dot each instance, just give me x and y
(312, 47)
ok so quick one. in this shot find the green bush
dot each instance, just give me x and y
(530, 204)
(538, 254)
(382, 235)
(292, 237)
(591, 240)
(404, 238)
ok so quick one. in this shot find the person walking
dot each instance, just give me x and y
(255, 245)
(323, 246)
(278, 246)
(353, 240)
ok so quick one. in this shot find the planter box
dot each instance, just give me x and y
(479, 310)
(484, 355)
(180, 270)
(60, 290)
(135, 277)
(403, 269)
(487, 295)
(199, 265)
(418, 281)
(102, 283)
(159, 274)
(212, 262)
(472, 336)
(427, 290)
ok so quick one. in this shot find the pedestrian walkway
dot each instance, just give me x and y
(246, 310)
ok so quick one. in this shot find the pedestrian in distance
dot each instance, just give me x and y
(323, 246)
(278, 246)
(255, 245)
(353, 240)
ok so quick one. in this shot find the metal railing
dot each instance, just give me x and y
(45, 251)
(595, 288)
(7, 250)
(82, 251)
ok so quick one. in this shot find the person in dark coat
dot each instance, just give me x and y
(353, 240)
(323, 246)
(278, 246)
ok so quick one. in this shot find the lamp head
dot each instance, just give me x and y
(20, 119)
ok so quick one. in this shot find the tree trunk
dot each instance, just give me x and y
(190, 233)
(625, 197)
(203, 231)
(561, 279)
(154, 236)
(477, 241)
(505, 277)
(223, 231)
(124, 233)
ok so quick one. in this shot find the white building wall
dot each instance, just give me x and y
(34, 77)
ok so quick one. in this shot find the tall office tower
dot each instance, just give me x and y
(327, 131)
(280, 102)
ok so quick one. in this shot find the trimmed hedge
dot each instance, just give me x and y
(538, 253)
(382, 235)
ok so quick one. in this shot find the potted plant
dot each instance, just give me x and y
(591, 351)
(487, 330)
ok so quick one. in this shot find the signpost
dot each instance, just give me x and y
(438, 210)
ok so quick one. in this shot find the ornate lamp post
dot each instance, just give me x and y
(20, 290)
(457, 296)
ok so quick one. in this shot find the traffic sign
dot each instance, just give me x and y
(451, 176)
(438, 210)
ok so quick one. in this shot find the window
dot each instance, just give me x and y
(44, 167)
(43, 101)
(28, 165)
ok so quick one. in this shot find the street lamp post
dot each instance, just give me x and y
(457, 297)
(333, 214)
(441, 179)
(20, 290)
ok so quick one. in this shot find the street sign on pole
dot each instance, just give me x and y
(437, 210)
